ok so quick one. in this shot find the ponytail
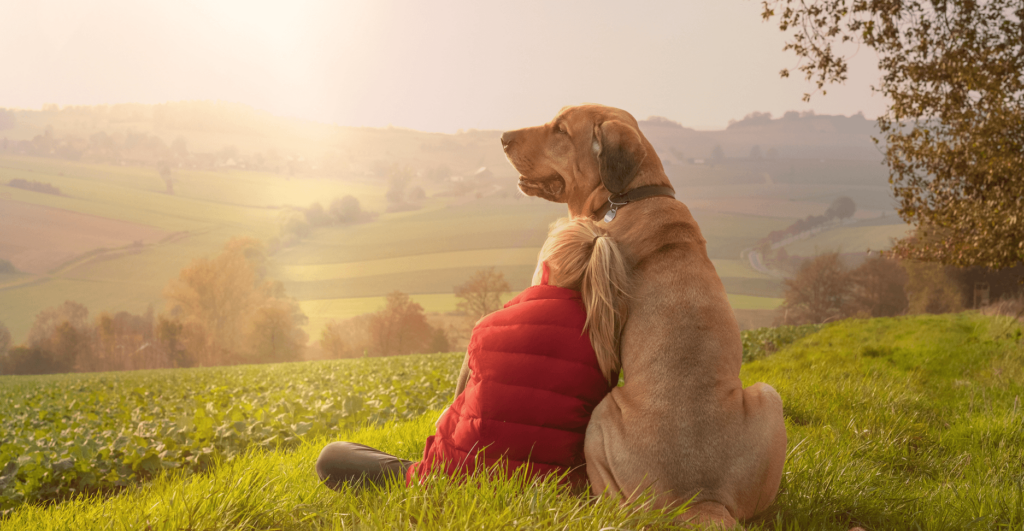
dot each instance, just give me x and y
(582, 256)
(604, 295)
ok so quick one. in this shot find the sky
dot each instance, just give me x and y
(436, 65)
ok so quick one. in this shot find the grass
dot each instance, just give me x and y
(278, 490)
(749, 302)
(910, 423)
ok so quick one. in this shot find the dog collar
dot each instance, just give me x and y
(616, 201)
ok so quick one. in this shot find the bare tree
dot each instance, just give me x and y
(481, 294)
(818, 293)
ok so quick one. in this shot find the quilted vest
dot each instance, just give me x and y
(534, 384)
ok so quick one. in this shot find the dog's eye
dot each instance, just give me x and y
(561, 129)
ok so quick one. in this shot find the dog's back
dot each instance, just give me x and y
(682, 422)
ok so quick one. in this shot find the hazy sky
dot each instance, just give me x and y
(425, 65)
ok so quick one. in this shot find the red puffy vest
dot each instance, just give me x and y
(535, 383)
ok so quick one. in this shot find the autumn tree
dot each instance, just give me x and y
(954, 127)
(349, 338)
(248, 317)
(878, 288)
(399, 328)
(123, 341)
(819, 292)
(61, 335)
(481, 294)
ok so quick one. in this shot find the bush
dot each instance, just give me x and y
(762, 342)
(35, 186)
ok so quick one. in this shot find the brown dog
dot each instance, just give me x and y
(682, 423)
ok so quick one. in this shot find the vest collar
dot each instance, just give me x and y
(539, 292)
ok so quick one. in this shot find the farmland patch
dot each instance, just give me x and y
(37, 238)
(853, 239)
(481, 258)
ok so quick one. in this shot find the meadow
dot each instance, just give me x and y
(114, 238)
(896, 423)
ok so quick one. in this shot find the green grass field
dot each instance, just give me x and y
(910, 423)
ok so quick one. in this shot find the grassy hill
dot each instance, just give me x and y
(897, 424)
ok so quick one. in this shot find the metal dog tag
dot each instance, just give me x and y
(610, 215)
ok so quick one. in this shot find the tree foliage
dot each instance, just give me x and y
(399, 328)
(481, 294)
(954, 128)
(230, 312)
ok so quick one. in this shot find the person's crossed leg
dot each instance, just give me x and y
(358, 464)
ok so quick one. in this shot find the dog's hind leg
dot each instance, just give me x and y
(766, 442)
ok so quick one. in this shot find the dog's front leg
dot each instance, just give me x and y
(595, 449)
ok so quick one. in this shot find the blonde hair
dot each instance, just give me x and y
(582, 256)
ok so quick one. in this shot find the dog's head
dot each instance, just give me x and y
(581, 157)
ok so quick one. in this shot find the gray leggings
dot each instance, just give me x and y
(348, 462)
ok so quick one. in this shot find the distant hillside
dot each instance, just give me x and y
(794, 136)
(210, 135)
(226, 133)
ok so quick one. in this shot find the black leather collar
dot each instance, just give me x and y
(617, 201)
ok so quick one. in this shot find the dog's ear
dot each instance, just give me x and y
(620, 151)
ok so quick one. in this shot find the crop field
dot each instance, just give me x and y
(910, 423)
(70, 434)
(425, 252)
(480, 258)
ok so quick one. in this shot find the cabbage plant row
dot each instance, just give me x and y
(62, 435)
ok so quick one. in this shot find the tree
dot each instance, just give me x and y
(954, 128)
(123, 342)
(818, 293)
(316, 216)
(842, 208)
(481, 294)
(878, 288)
(439, 341)
(62, 335)
(230, 311)
(275, 334)
(164, 169)
(332, 340)
(399, 328)
(345, 210)
(347, 339)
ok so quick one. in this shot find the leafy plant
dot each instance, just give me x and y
(64, 435)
